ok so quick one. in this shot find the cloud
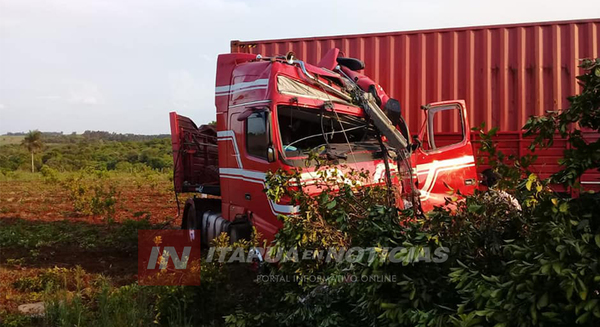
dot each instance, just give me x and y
(139, 59)
(84, 94)
(188, 92)
(50, 97)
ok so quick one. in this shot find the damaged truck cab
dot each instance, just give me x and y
(271, 112)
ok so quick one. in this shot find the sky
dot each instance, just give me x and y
(123, 65)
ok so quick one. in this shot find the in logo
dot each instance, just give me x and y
(168, 257)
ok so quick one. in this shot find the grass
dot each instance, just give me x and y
(80, 296)
(28, 235)
(11, 139)
(43, 261)
(84, 267)
(86, 196)
(75, 297)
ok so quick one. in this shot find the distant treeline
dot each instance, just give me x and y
(60, 137)
(96, 149)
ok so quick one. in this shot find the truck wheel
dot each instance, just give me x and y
(191, 220)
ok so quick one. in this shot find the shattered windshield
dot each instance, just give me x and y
(305, 130)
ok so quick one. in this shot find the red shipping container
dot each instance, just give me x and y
(505, 73)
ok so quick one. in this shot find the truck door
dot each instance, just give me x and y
(254, 138)
(445, 162)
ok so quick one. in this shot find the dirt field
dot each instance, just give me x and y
(43, 237)
(36, 200)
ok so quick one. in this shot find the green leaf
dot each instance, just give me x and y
(597, 239)
(550, 314)
(557, 267)
(569, 291)
(530, 179)
(387, 306)
(582, 290)
(528, 184)
(493, 131)
(583, 318)
(533, 312)
(542, 301)
(331, 204)
(591, 304)
(545, 269)
(474, 208)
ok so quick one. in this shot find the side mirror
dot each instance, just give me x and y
(352, 63)
(392, 110)
(271, 156)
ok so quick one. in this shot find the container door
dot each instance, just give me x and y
(445, 162)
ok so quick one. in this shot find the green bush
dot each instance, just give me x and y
(137, 305)
(91, 193)
(124, 166)
(67, 153)
(50, 175)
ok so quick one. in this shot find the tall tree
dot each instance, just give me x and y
(33, 143)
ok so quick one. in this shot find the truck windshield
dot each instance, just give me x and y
(305, 130)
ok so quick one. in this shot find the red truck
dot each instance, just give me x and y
(505, 73)
(272, 111)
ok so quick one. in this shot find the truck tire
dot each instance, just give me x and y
(191, 220)
(202, 218)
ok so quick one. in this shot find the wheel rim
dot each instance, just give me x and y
(191, 223)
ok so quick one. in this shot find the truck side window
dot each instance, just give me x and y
(257, 138)
(447, 115)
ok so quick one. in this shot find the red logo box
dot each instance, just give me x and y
(168, 257)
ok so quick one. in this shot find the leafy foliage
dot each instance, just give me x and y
(33, 143)
(91, 196)
(26, 235)
(50, 175)
(98, 151)
(582, 115)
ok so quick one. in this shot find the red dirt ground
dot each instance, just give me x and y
(39, 201)
(42, 203)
